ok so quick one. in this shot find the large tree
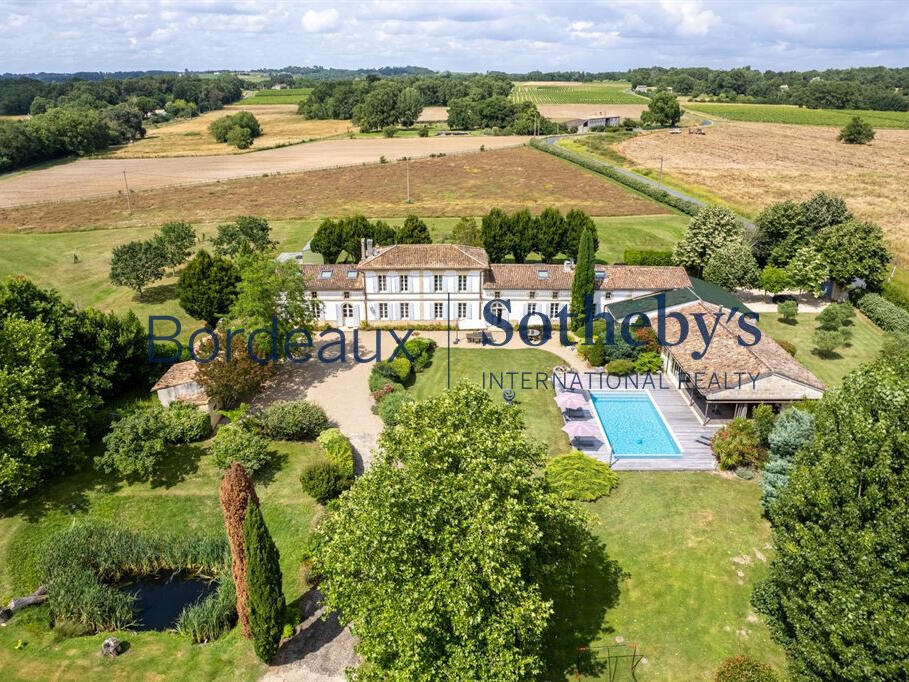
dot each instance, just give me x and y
(136, 265)
(244, 235)
(781, 229)
(837, 593)
(855, 250)
(328, 241)
(576, 223)
(231, 382)
(663, 110)
(807, 270)
(551, 230)
(712, 228)
(207, 287)
(823, 210)
(495, 235)
(413, 231)
(732, 266)
(583, 283)
(263, 582)
(467, 231)
(410, 105)
(443, 556)
(521, 234)
(176, 240)
(235, 493)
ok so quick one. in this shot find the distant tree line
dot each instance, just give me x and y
(860, 88)
(83, 117)
(337, 237)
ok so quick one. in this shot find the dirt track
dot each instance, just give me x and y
(88, 178)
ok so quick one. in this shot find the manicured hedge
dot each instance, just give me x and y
(647, 189)
(884, 314)
(291, 420)
(647, 257)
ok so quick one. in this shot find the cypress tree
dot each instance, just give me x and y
(235, 493)
(263, 582)
(583, 283)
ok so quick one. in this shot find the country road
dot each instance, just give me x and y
(87, 178)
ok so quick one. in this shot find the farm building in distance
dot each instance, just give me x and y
(585, 125)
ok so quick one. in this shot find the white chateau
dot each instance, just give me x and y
(417, 282)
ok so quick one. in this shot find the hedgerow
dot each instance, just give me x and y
(884, 314)
(664, 197)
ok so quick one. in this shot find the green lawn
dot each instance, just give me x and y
(864, 345)
(285, 96)
(48, 258)
(541, 414)
(601, 92)
(784, 113)
(682, 538)
(186, 498)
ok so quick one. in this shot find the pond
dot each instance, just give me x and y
(160, 599)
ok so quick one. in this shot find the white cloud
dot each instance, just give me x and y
(320, 21)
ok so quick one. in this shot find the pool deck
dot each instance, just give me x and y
(684, 425)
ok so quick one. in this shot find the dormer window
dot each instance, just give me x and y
(542, 274)
(352, 274)
(325, 274)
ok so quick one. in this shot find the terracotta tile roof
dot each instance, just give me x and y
(527, 276)
(176, 374)
(642, 277)
(726, 356)
(453, 256)
(332, 277)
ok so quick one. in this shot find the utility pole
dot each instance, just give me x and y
(129, 203)
(661, 170)
(408, 180)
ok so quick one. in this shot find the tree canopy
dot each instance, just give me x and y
(446, 555)
(837, 594)
(712, 228)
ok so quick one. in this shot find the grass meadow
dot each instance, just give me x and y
(603, 92)
(285, 96)
(785, 113)
(864, 345)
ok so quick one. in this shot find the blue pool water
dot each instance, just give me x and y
(633, 425)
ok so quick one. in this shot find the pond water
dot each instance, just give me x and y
(161, 599)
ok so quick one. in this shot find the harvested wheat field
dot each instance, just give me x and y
(280, 126)
(751, 165)
(88, 178)
(468, 184)
(557, 112)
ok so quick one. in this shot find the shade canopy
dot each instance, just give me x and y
(581, 429)
(570, 401)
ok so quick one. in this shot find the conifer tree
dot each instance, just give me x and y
(583, 283)
(263, 582)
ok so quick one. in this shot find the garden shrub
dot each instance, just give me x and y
(647, 338)
(787, 346)
(737, 444)
(620, 367)
(241, 138)
(595, 353)
(793, 429)
(788, 310)
(390, 406)
(576, 476)
(378, 379)
(884, 314)
(291, 420)
(619, 350)
(744, 669)
(647, 257)
(233, 443)
(764, 420)
(421, 350)
(338, 449)
(183, 423)
(80, 564)
(401, 367)
(324, 481)
(647, 362)
(135, 446)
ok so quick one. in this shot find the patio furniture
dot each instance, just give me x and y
(581, 429)
(703, 440)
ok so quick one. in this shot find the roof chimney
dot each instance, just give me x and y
(568, 265)
(370, 247)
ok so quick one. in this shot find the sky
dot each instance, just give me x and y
(103, 35)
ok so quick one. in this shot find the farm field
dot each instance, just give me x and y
(467, 184)
(785, 113)
(86, 178)
(186, 497)
(575, 93)
(751, 165)
(280, 126)
(287, 96)
(556, 112)
(47, 258)
(864, 346)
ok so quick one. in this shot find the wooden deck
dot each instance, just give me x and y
(684, 425)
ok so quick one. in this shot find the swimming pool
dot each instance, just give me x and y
(633, 425)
